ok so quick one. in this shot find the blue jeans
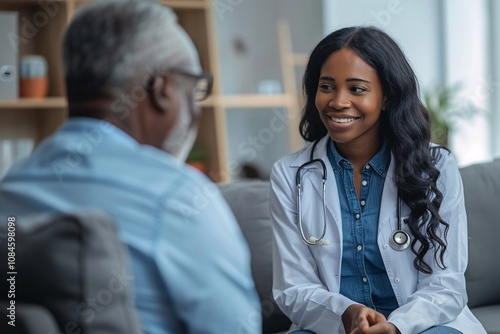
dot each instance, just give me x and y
(432, 330)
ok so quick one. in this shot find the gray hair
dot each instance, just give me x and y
(111, 42)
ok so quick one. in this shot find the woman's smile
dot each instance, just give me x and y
(341, 122)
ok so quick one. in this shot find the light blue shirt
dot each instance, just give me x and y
(190, 262)
(363, 275)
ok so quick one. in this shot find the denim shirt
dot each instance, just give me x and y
(363, 274)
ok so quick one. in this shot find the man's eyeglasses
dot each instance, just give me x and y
(203, 81)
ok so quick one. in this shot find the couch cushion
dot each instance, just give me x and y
(249, 201)
(488, 316)
(29, 319)
(75, 266)
(482, 193)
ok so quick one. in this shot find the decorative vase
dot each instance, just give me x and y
(34, 81)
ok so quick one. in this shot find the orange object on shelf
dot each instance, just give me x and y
(36, 87)
(199, 165)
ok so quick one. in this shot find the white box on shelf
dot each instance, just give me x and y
(9, 39)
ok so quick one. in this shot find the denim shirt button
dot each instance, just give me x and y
(357, 216)
(365, 279)
(362, 203)
(364, 182)
(396, 279)
(359, 247)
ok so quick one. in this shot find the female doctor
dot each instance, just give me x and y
(370, 230)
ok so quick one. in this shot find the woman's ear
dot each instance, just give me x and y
(163, 93)
(384, 103)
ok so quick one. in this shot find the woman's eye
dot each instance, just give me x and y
(326, 87)
(356, 89)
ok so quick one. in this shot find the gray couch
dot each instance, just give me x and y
(249, 202)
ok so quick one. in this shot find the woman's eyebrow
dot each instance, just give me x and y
(357, 79)
(327, 78)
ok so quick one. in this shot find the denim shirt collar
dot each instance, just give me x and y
(379, 162)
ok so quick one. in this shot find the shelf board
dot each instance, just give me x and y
(189, 4)
(227, 101)
(24, 103)
(209, 102)
(32, 1)
(185, 4)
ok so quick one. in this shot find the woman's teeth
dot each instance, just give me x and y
(342, 120)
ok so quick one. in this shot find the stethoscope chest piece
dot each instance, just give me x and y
(399, 240)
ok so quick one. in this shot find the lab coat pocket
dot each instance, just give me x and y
(327, 259)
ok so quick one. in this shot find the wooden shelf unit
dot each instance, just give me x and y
(54, 102)
(38, 118)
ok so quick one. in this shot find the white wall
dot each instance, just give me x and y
(446, 42)
(466, 47)
(412, 23)
(493, 82)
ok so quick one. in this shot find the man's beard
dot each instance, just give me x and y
(180, 139)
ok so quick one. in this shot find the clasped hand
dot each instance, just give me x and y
(359, 319)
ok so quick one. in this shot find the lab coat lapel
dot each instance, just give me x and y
(389, 195)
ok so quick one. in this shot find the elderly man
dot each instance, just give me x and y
(132, 77)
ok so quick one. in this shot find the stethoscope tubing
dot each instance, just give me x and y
(312, 241)
(399, 239)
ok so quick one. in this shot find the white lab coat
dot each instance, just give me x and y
(307, 278)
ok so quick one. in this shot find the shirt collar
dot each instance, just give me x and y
(379, 162)
(89, 126)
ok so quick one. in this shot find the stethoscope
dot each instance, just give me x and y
(399, 239)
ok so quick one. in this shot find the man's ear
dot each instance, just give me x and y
(163, 93)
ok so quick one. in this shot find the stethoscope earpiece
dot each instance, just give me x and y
(316, 241)
(313, 240)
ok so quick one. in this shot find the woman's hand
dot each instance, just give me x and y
(359, 319)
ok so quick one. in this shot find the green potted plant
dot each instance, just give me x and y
(197, 158)
(445, 110)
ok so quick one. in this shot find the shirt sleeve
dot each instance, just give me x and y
(204, 262)
(441, 296)
(297, 288)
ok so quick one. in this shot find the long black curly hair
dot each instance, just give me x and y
(404, 125)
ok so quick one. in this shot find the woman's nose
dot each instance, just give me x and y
(339, 100)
